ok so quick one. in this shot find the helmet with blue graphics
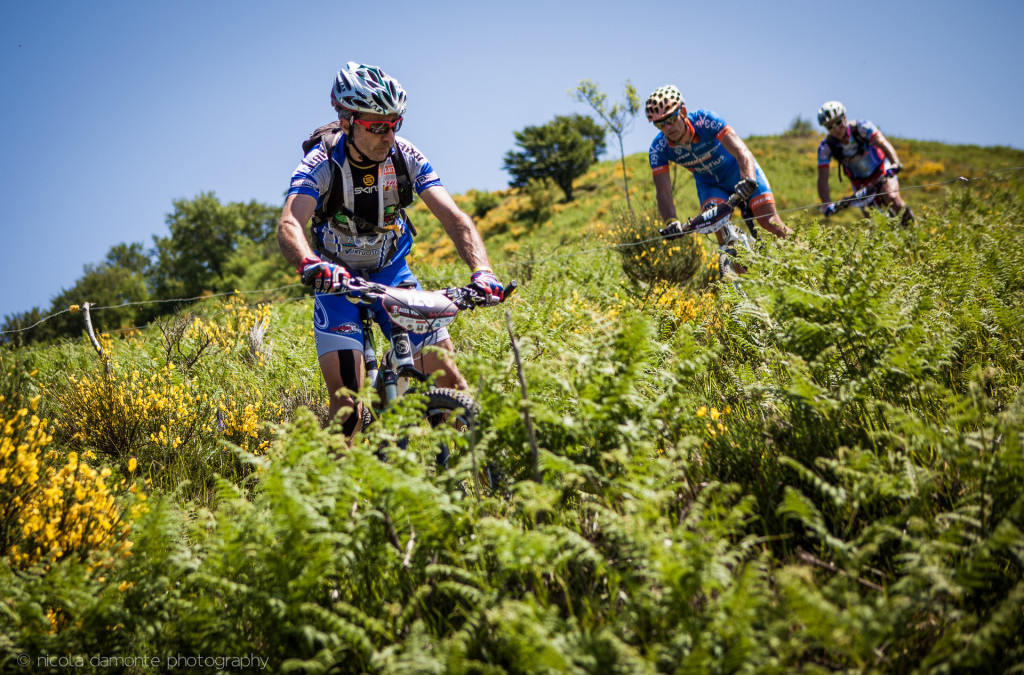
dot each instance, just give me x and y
(663, 101)
(359, 88)
(830, 112)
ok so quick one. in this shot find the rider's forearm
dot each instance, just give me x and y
(744, 157)
(291, 232)
(292, 241)
(467, 240)
(666, 207)
(886, 147)
(747, 164)
(824, 190)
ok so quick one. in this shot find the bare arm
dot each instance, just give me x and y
(663, 190)
(738, 149)
(291, 237)
(458, 225)
(824, 191)
(882, 142)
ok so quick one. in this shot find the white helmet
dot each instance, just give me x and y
(367, 89)
(829, 112)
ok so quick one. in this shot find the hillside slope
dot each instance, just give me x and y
(817, 469)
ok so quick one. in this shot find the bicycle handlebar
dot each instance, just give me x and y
(864, 196)
(706, 221)
(465, 297)
(416, 310)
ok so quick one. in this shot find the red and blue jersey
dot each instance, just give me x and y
(859, 159)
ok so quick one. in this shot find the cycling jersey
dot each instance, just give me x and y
(859, 159)
(714, 169)
(374, 232)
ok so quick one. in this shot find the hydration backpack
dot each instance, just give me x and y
(836, 146)
(329, 134)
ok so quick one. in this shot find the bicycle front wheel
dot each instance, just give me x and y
(450, 407)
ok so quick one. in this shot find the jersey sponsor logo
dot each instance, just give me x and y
(306, 183)
(353, 249)
(411, 151)
(347, 328)
(365, 190)
(427, 180)
(368, 179)
(402, 348)
(319, 316)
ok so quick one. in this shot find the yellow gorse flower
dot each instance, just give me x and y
(58, 510)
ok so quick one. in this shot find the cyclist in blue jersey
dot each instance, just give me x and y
(369, 234)
(721, 163)
(864, 154)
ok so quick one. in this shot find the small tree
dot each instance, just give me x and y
(800, 127)
(618, 118)
(561, 151)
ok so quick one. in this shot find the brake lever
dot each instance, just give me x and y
(467, 297)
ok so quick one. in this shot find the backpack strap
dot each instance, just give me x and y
(405, 195)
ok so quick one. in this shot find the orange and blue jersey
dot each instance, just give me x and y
(714, 169)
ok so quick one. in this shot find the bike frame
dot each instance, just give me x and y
(864, 198)
(421, 312)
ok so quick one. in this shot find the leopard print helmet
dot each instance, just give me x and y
(663, 101)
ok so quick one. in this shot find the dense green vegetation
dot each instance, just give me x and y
(817, 470)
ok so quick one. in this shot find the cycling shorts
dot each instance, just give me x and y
(709, 191)
(337, 325)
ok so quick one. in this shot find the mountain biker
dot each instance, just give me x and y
(865, 155)
(370, 236)
(720, 161)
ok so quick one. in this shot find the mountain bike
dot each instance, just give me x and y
(867, 197)
(413, 310)
(718, 216)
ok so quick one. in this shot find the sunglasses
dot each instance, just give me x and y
(379, 127)
(835, 123)
(667, 120)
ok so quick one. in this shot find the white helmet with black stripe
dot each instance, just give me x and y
(830, 112)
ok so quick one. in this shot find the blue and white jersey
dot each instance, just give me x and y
(859, 159)
(705, 156)
(379, 234)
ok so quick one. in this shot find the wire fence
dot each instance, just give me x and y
(961, 180)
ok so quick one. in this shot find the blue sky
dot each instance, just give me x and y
(112, 110)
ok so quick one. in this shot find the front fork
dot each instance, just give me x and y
(398, 366)
(733, 237)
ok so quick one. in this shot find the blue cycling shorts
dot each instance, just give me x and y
(337, 325)
(709, 190)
